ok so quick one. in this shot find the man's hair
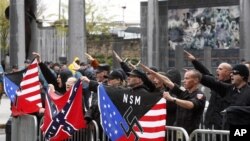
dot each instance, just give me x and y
(196, 74)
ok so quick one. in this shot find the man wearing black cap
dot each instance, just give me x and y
(115, 78)
(138, 79)
(237, 92)
(102, 72)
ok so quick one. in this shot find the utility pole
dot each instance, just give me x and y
(123, 14)
(59, 11)
(17, 33)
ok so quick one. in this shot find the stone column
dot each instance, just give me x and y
(17, 33)
(179, 59)
(208, 58)
(153, 34)
(117, 47)
(77, 30)
(244, 29)
(163, 36)
(34, 33)
(208, 64)
(144, 46)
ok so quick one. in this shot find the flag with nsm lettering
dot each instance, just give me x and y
(132, 116)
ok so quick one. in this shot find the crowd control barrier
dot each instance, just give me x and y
(24, 128)
(91, 133)
(172, 134)
(209, 135)
(176, 134)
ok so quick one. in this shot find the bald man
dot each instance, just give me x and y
(213, 117)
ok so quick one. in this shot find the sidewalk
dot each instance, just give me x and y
(4, 112)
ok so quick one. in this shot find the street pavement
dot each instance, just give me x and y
(4, 115)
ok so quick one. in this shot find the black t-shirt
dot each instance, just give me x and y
(189, 119)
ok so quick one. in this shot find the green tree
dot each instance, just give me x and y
(61, 23)
(40, 8)
(4, 26)
(98, 23)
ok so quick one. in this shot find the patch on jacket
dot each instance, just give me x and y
(200, 96)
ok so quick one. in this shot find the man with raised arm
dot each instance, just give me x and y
(217, 103)
(190, 102)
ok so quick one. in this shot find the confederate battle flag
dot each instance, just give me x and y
(63, 115)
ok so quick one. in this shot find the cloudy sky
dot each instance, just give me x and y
(131, 12)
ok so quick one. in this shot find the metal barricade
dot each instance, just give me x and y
(176, 134)
(173, 133)
(209, 135)
(24, 128)
(91, 133)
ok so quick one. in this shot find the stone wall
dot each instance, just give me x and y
(132, 49)
(129, 49)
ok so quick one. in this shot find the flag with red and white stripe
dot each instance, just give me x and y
(29, 96)
(154, 122)
(64, 114)
(132, 115)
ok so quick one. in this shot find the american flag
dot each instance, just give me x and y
(121, 122)
(10, 88)
(29, 96)
(11, 83)
(63, 115)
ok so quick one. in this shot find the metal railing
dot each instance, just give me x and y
(25, 128)
(176, 134)
(88, 134)
(91, 133)
(209, 135)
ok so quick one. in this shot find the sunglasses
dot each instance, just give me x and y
(235, 72)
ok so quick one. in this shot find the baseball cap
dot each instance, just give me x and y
(241, 69)
(115, 74)
(102, 67)
(138, 73)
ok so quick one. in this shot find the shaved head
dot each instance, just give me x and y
(223, 71)
(226, 66)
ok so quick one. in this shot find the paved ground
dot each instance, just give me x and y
(4, 109)
(4, 115)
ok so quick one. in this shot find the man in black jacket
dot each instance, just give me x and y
(237, 92)
(217, 103)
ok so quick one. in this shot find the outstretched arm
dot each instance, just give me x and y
(48, 75)
(124, 66)
(197, 65)
(161, 77)
(215, 85)
(94, 63)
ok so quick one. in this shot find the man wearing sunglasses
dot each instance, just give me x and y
(237, 93)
